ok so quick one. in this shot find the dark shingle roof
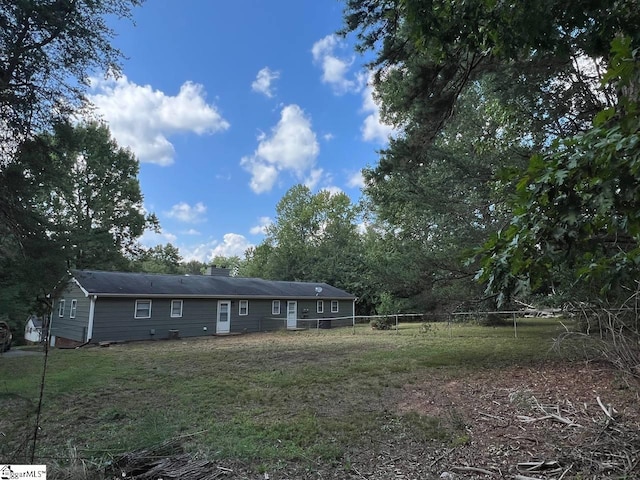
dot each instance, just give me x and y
(148, 284)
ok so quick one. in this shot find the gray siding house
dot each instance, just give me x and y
(95, 306)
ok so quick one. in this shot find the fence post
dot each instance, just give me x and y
(515, 326)
(353, 316)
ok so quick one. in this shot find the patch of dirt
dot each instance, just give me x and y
(526, 421)
(515, 423)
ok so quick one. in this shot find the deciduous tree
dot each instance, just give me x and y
(96, 204)
(314, 238)
(159, 259)
(48, 49)
(576, 223)
(535, 68)
(72, 200)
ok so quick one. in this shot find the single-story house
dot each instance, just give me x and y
(96, 306)
(33, 329)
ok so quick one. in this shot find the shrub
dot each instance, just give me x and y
(382, 323)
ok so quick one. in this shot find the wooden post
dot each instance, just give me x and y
(515, 326)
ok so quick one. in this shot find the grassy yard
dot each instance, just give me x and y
(268, 399)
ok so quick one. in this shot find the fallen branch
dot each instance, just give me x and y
(531, 466)
(527, 419)
(566, 421)
(566, 471)
(473, 469)
(520, 437)
(607, 411)
(551, 416)
(492, 416)
(359, 474)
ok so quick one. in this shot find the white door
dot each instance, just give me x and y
(292, 314)
(224, 317)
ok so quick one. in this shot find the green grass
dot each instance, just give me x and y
(261, 398)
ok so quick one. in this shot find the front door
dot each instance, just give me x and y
(224, 316)
(292, 314)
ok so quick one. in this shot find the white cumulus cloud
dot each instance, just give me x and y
(313, 178)
(263, 82)
(188, 213)
(356, 180)
(373, 128)
(335, 68)
(142, 118)
(291, 147)
(261, 227)
(333, 190)
(151, 239)
(233, 244)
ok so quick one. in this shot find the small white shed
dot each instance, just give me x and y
(33, 329)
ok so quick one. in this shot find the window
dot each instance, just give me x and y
(275, 307)
(243, 307)
(320, 306)
(176, 308)
(61, 308)
(334, 306)
(74, 306)
(143, 309)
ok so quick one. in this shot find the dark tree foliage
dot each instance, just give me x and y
(161, 259)
(313, 238)
(535, 69)
(95, 206)
(72, 200)
(435, 48)
(576, 223)
(30, 260)
(48, 48)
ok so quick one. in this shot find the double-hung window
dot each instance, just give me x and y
(243, 307)
(176, 308)
(334, 306)
(275, 307)
(74, 307)
(320, 306)
(61, 308)
(143, 309)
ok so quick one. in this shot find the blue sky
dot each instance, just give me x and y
(229, 104)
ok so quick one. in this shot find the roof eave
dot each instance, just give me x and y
(244, 297)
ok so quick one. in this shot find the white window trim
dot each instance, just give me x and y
(337, 304)
(178, 315)
(61, 308)
(246, 303)
(320, 306)
(135, 312)
(73, 308)
(274, 310)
